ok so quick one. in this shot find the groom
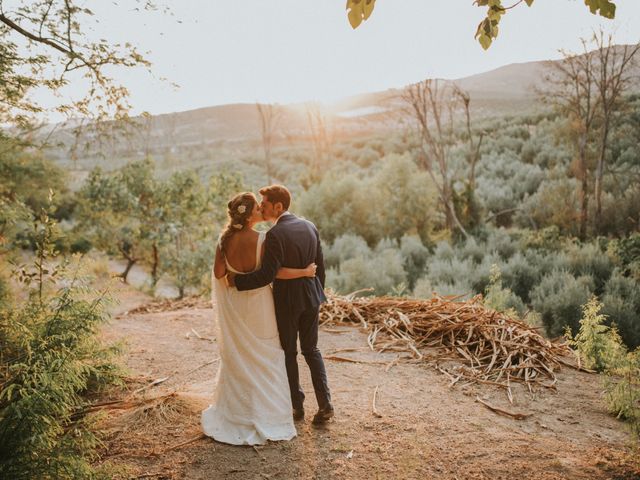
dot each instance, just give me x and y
(293, 242)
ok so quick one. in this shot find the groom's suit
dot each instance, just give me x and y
(295, 243)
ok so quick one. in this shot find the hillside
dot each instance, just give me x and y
(506, 90)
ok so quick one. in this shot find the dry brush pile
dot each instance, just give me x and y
(493, 347)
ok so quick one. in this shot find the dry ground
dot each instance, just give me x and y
(426, 429)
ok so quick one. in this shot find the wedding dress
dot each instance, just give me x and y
(251, 402)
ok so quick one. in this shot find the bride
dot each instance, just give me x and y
(251, 402)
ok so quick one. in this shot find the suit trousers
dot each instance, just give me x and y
(304, 325)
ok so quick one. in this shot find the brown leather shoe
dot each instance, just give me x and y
(323, 416)
(298, 414)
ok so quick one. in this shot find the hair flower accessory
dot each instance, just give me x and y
(242, 209)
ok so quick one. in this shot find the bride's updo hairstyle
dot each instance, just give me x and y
(239, 211)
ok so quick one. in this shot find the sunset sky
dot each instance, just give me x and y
(228, 51)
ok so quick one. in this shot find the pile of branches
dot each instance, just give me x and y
(170, 305)
(493, 348)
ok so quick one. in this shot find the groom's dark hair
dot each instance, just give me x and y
(277, 193)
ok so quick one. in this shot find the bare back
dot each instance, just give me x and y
(241, 251)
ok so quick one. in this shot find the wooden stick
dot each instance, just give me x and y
(373, 404)
(194, 439)
(336, 358)
(517, 416)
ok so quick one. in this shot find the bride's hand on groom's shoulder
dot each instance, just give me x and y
(310, 270)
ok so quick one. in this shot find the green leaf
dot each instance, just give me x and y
(485, 41)
(606, 8)
(355, 16)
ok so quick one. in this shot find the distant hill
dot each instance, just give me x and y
(504, 91)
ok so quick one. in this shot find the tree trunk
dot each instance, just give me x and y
(584, 199)
(600, 175)
(130, 263)
(154, 265)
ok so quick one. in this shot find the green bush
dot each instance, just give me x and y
(415, 256)
(498, 240)
(621, 301)
(622, 391)
(345, 247)
(383, 272)
(500, 298)
(559, 298)
(442, 271)
(49, 359)
(588, 259)
(626, 252)
(599, 346)
(520, 276)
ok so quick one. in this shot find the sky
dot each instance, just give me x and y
(288, 51)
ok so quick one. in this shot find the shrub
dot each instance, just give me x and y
(599, 346)
(621, 301)
(415, 256)
(498, 240)
(473, 250)
(80, 245)
(345, 247)
(500, 298)
(559, 298)
(383, 272)
(588, 259)
(480, 276)
(622, 391)
(50, 359)
(520, 275)
(626, 252)
(442, 271)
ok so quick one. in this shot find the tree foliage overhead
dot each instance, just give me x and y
(360, 10)
(46, 44)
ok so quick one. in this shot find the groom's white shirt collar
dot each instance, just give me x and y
(282, 215)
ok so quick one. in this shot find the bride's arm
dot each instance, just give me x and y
(219, 267)
(285, 273)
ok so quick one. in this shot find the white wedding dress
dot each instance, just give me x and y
(251, 401)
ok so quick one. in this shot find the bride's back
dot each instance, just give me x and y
(240, 251)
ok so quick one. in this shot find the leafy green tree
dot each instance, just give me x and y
(188, 247)
(122, 213)
(46, 43)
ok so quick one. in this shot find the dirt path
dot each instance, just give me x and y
(425, 429)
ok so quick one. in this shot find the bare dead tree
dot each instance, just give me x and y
(574, 94)
(433, 108)
(614, 67)
(269, 115)
(321, 138)
(473, 152)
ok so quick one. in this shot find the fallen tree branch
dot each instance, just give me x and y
(499, 411)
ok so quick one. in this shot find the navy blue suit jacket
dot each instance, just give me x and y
(295, 243)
